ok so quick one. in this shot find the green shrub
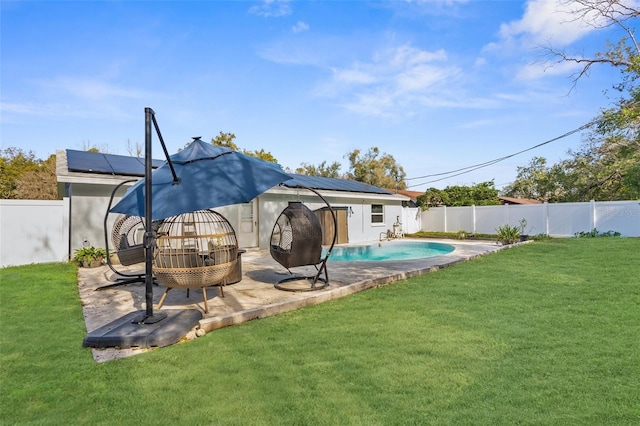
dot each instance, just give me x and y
(542, 237)
(508, 234)
(594, 233)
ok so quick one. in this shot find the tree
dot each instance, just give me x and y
(376, 169)
(601, 14)
(227, 140)
(540, 181)
(480, 194)
(39, 184)
(432, 197)
(14, 162)
(604, 169)
(135, 150)
(23, 176)
(89, 147)
(331, 171)
(606, 165)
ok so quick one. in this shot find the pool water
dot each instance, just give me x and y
(389, 250)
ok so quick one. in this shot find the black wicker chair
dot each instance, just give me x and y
(296, 240)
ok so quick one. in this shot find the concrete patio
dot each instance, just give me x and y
(255, 296)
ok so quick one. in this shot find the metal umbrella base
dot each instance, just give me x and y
(138, 330)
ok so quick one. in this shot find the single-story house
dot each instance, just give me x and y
(88, 179)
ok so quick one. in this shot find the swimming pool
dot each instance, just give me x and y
(390, 250)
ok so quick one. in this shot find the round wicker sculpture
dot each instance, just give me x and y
(194, 250)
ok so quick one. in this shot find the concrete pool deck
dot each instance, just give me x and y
(255, 296)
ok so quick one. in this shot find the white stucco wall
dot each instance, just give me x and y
(88, 208)
(358, 206)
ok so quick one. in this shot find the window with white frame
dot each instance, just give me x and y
(377, 213)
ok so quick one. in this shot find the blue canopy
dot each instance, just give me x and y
(208, 176)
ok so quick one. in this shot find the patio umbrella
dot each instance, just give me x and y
(208, 176)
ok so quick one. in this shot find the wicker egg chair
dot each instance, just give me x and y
(127, 235)
(296, 240)
(194, 250)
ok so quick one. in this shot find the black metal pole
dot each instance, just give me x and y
(164, 148)
(148, 235)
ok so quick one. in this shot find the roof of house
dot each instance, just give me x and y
(318, 182)
(98, 162)
(512, 200)
(122, 165)
(411, 194)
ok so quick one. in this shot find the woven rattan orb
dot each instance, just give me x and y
(194, 250)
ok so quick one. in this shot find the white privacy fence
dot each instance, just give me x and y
(38, 231)
(556, 220)
(33, 231)
(411, 220)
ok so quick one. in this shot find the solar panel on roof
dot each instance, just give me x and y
(318, 182)
(97, 162)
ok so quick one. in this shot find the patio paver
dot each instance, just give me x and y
(255, 296)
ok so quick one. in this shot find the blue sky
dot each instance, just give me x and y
(440, 85)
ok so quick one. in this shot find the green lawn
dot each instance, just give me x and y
(547, 333)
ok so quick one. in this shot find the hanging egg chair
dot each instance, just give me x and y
(194, 250)
(296, 240)
(127, 235)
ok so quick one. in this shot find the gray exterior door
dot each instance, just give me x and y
(248, 224)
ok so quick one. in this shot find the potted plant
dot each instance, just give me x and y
(89, 257)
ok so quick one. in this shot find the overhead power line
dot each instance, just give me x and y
(474, 167)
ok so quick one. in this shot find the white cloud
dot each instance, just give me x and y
(407, 55)
(76, 97)
(271, 8)
(543, 23)
(91, 89)
(547, 21)
(300, 27)
(477, 124)
(480, 62)
(353, 76)
(13, 110)
(394, 82)
(294, 51)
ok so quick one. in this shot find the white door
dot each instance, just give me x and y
(248, 232)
